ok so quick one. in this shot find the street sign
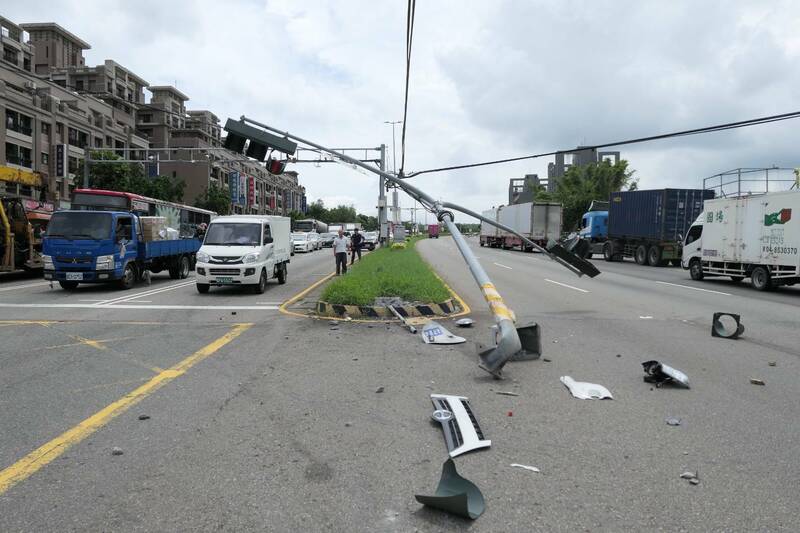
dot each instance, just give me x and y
(233, 184)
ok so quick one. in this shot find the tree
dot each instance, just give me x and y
(576, 189)
(317, 211)
(129, 177)
(368, 223)
(296, 215)
(214, 198)
(341, 213)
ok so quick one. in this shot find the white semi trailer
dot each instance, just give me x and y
(538, 221)
(751, 236)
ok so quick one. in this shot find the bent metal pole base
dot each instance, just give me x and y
(508, 340)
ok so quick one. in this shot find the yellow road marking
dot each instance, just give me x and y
(283, 307)
(106, 385)
(89, 342)
(48, 452)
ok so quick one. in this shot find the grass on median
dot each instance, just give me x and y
(386, 272)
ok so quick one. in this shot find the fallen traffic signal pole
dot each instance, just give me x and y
(510, 342)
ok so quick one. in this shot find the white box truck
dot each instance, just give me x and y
(751, 236)
(244, 250)
(538, 221)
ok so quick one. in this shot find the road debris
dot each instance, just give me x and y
(673, 421)
(659, 373)
(334, 328)
(464, 322)
(755, 381)
(144, 417)
(506, 393)
(586, 391)
(379, 390)
(396, 313)
(462, 433)
(691, 477)
(731, 331)
(526, 467)
(455, 494)
(648, 317)
(772, 363)
(546, 359)
(435, 333)
(116, 450)
(333, 323)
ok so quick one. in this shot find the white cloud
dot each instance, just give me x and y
(489, 79)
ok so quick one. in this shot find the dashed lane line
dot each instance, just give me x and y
(565, 285)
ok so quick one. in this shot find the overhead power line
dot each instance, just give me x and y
(684, 133)
(412, 6)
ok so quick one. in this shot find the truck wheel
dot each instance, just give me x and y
(68, 285)
(282, 274)
(202, 288)
(262, 283)
(608, 251)
(761, 278)
(183, 267)
(654, 256)
(481, 244)
(128, 277)
(696, 270)
(641, 255)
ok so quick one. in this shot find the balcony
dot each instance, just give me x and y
(19, 128)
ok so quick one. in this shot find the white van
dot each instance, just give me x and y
(244, 250)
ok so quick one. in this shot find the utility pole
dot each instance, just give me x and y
(382, 219)
(395, 206)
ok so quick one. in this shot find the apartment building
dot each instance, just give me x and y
(46, 126)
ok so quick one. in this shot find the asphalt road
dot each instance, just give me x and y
(268, 422)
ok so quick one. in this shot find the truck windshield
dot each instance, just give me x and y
(80, 225)
(233, 234)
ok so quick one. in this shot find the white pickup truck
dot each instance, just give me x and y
(244, 250)
(752, 236)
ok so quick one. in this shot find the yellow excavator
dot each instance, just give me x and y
(20, 236)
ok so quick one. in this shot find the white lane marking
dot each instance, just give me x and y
(503, 266)
(15, 287)
(129, 306)
(91, 300)
(145, 293)
(565, 285)
(694, 288)
(645, 317)
(143, 302)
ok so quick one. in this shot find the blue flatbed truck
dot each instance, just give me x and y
(109, 247)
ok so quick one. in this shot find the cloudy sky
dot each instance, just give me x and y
(489, 79)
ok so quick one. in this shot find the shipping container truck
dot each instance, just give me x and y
(647, 226)
(433, 231)
(83, 246)
(538, 221)
(756, 237)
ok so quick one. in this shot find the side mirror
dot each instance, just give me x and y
(680, 237)
(268, 240)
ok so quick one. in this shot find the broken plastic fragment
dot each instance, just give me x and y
(586, 391)
(435, 333)
(462, 433)
(526, 467)
(659, 373)
(455, 494)
(673, 421)
(464, 322)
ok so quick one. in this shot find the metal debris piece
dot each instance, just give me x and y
(462, 433)
(755, 381)
(464, 322)
(772, 363)
(379, 390)
(694, 481)
(526, 467)
(435, 333)
(688, 475)
(116, 450)
(546, 359)
(531, 339)
(586, 391)
(673, 421)
(144, 417)
(659, 373)
(455, 494)
(507, 393)
(718, 329)
(333, 323)
(396, 313)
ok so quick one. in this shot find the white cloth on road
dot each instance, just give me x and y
(340, 244)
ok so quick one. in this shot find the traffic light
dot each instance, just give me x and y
(259, 143)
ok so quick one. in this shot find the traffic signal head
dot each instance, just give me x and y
(260, 141)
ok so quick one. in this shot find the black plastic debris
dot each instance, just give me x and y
(455, 494)
(659, 373)
(719, 329)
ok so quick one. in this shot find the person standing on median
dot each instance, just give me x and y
(340, 245)
(356, 241)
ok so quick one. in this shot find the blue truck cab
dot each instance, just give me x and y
(108, 246)
(594, 226)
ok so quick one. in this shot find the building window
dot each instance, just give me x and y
(26, 63)
(45, 159)
(46, 51)
(9, 54)
(98, 142)
(18, 155)
(46, 129)
(18, 122)
(79, 85)
(77, 138)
